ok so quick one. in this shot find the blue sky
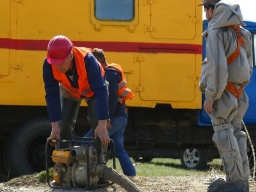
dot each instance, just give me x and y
(248, 8)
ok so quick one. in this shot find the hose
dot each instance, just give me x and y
(112, 175)
(252, 148)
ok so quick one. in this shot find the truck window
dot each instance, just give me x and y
(114, 10)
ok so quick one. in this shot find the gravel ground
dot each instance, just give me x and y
(195, 183)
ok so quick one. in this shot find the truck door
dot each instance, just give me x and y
(173, 19)
(249, 117)
(5, 42)
(168, 66)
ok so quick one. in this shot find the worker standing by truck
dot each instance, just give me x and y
(118, 94)
(225, 73)
(72, 74)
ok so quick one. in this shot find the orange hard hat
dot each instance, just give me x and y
(58, 49)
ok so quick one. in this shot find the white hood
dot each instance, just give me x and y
(225, 14)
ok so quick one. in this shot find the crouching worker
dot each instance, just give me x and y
(72, 74)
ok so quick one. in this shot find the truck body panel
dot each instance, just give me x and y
(27, 32)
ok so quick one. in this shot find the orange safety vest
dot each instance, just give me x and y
(83, 84)
(240, 42)
(123, 92)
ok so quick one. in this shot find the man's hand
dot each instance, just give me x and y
(101, 132)
(55, 134)
(208, 106)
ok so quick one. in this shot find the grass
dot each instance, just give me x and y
(166, 167)
(157, 167)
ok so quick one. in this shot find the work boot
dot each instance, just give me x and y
(233, 187)
(53, 184)
(215, 185)
(134, 179)
(220, 185)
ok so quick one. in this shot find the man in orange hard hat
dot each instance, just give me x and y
(72, 74)
(225, 73)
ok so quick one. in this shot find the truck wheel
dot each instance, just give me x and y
(3, 173)
(26, 148)
(193, 159)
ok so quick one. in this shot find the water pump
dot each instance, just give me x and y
(83, 165)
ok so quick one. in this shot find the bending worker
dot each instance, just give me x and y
(72, 74)
(225, 73)
(118, 94)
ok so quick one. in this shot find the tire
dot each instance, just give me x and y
(26, 148)
(3, 173)
(143, 159)
(193, 159)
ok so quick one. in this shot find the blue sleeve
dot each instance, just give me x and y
(113, 78)
(97, 85)
(52, 91)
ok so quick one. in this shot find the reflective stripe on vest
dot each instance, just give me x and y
(237, 92)
(123, 92)
(83, 84)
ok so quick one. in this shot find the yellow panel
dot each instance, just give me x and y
(168, 77)
(4, 35)
(55, 17)
(30, 28)
(4, 18)
(24, 85)
(174, 19)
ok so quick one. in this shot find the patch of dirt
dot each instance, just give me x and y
(198, 183)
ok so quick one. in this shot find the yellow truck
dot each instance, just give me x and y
(159, 45)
